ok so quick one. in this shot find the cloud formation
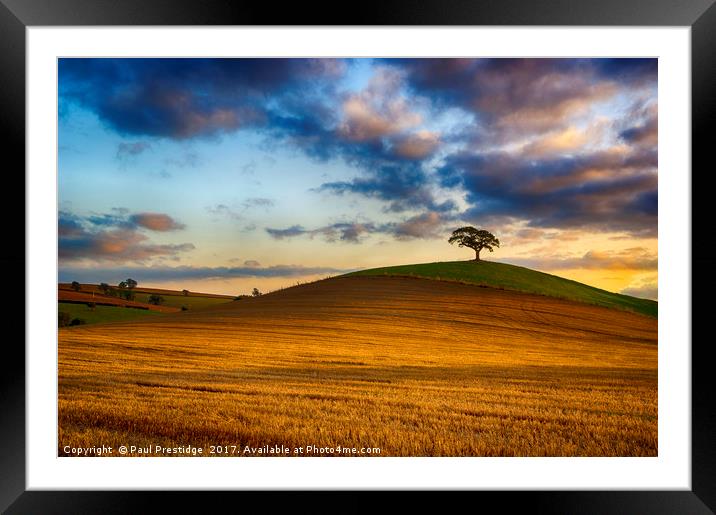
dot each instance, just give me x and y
(183, 98)
(424, 226)
(116, 237)
(555, 143)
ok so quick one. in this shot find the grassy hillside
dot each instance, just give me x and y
(517, 278)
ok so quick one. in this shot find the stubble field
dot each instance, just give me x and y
(412, 366)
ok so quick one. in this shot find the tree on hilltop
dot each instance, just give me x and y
(76, 286)
(476, 239)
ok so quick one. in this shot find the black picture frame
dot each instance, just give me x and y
(699, 15)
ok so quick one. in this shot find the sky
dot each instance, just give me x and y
(221, 175)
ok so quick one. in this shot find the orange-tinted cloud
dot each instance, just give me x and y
(156, 222)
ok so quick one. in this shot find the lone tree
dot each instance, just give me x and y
(476, 239)
(76, 286)
(185, 292)
(255, 292)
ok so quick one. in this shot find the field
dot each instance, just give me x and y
(412, 366)
(102, 314)
(517, 278)
(115, 309)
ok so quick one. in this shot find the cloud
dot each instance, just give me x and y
(224, 210)
(647, 291)
(426, 225)
(156, 222)
(607, 191)
(258, 202)
(290, 232)
(643, 134)
(379, 110)
(183, 98)
(509, 139)
(115, 245)
(340, 231)
(634, 259)
(115, 237)
(418, 145)
(127, 150)
(524, 94)
(404, 187)
(164, 273)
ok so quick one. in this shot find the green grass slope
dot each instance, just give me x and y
(511, 277)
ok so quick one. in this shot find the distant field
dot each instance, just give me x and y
(95, 288)
(191, 301)
(413, 366)
(511, 277)
(173, 302)
(102, 314)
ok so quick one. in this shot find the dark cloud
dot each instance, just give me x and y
(604, 191)
(402, 187)
(164, 273)
(549, 177)
(426, 225)
(294, 230)
(340, 231)
(115, 237)
(644, 134)
(183, 98)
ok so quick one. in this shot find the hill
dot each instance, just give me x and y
(414, 367)
(511, 277)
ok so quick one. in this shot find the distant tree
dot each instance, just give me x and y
(131, 283)
(63, 319)
(255, 292)
(476, 239)
(104, 288)
(76, 286)
(156, 299)
(122, 285)
(185, 292)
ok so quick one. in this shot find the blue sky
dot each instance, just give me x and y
(224, 174)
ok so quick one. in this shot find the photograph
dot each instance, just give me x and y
(357, 257)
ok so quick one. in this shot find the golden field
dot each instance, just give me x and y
(411, 366)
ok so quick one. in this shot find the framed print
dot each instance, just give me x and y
(451, 249)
